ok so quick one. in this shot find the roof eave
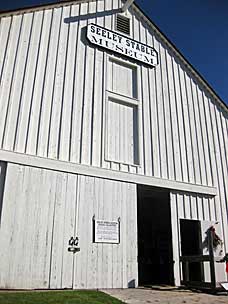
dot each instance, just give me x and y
(188, 65)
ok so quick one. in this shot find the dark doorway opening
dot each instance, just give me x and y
(191, 245)
(155, 254)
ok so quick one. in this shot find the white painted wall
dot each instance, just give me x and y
(53, 103)
(196, 207)
(2, 183)
(53, 97)
(42, 209)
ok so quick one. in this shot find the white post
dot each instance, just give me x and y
(127, 4)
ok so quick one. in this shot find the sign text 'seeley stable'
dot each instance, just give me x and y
(121, 44)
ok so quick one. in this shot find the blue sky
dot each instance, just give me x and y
(198, 28)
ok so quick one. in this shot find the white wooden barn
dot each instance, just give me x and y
(111, 144)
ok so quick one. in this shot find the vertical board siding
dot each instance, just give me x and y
(38, 84)
(121, 132)
(43, 209)
(86, 128)
(26, 227)
(27, 88)
(52, 96)
(5, 28)
(193, 207)
(2, 184)
(17, 81)
(221, 165)
(8, 70)
(96, 143)
(108, 200)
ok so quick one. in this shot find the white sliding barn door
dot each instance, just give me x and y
(43, 209)
(105, 265)
(61, 275)
(38, 218)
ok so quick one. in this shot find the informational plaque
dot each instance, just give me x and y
(106, 231)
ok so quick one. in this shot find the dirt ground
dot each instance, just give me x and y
(165, 296)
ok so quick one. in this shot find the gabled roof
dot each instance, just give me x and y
(148, 20)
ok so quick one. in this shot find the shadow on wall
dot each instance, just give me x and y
(216, 240)
(131, 284)
(2, 184)
(91, 16)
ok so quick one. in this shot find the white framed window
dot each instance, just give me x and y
(122, 78)
(122, 113)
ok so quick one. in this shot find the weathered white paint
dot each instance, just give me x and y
(196, 207)
(55, 90)
(42, 209)
(61, 166)
(59, 114)
(122, 143)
